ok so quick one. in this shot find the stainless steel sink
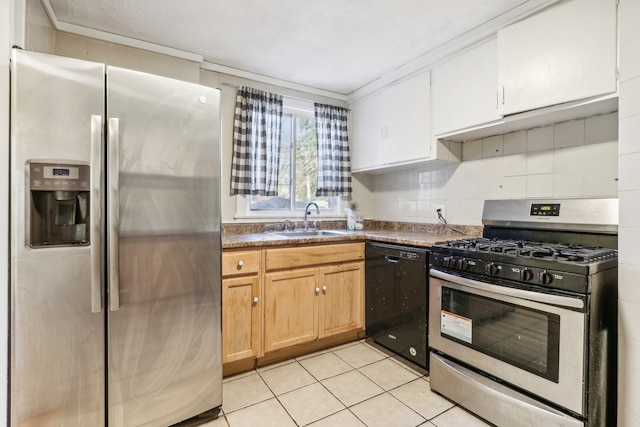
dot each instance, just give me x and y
(312, 233)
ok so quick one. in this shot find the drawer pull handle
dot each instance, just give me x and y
(317, 290)
(240, 263)
(255, 299)
(324, 288)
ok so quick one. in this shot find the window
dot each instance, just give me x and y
(297, 171)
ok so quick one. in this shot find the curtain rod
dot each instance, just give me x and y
(237, 86)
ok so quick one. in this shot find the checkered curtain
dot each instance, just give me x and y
(334, 161)
(256, 142)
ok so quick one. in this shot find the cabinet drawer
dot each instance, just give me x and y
(313, 255)
(240, 262)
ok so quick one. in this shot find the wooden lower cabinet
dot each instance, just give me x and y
(241, 305)
(241, 318)
(306, 304)
(290, 308)
(276, 299)
(342, 299)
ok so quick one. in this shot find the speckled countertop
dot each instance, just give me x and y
(424, 235)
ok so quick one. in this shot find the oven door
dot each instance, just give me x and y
(533, 340)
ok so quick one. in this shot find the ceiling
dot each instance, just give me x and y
(333, 45)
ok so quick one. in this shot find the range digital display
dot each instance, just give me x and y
(551, 209)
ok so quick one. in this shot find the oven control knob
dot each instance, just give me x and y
(526, 274)
(544, 278)
(463, 264)
(453, 263)
(492, 269)
(448, 261)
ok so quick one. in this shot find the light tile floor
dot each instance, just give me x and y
(355, 384)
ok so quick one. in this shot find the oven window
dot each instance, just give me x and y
(520, 336)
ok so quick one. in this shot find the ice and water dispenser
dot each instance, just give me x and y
(59, 204)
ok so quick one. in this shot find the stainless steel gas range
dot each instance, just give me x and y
(523, 321)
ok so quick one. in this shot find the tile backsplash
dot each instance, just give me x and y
(629, 222)
(578, 158)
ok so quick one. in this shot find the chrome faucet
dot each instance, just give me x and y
(306, 212)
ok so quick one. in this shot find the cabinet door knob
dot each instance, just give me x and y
(324, 288)
(317, 290)
(255, 299)
(240, 263)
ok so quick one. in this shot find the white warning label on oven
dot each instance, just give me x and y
(455, 326)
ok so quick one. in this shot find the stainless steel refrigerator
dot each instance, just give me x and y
(115, 246)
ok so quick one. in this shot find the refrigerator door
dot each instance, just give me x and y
(163, 190)
(57, 322)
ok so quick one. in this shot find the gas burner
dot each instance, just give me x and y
(557, 252)
(466, 243)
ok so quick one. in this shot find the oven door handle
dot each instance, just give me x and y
(513, 292)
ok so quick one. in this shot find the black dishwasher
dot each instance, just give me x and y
(396, 298)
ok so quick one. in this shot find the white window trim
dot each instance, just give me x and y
(300, 108)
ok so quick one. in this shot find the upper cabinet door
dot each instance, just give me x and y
(562, 54)
(464, 89)
(407, 129)
(366, 132)
(392, 127)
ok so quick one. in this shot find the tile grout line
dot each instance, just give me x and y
(418, 376)
(348, 408)
(276, 396)
(385, 357)
(353, 368)
(329, 391)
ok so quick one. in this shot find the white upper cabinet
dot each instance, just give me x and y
(391, 128)
(366, 132)
(464, 89)
(562, 54)
(406, 131)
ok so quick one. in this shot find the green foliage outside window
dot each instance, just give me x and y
(299, 143)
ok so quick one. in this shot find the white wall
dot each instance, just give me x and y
(6, 11)
(629, 232)
(80, 47)
(39, 33)
(571, 159)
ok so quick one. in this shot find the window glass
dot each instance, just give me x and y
(306, 170)
(299, 177)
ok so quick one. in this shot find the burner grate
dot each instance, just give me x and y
(557, 252)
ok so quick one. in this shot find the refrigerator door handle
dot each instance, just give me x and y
(96, 203)
(113, 158)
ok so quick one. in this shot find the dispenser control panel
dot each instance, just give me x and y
(60, 204)
(68, 172)
(52, 177)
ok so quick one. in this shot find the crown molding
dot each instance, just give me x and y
(235, 72)
(115, 38)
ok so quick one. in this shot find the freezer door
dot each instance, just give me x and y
(163, 186)
(57, 322)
